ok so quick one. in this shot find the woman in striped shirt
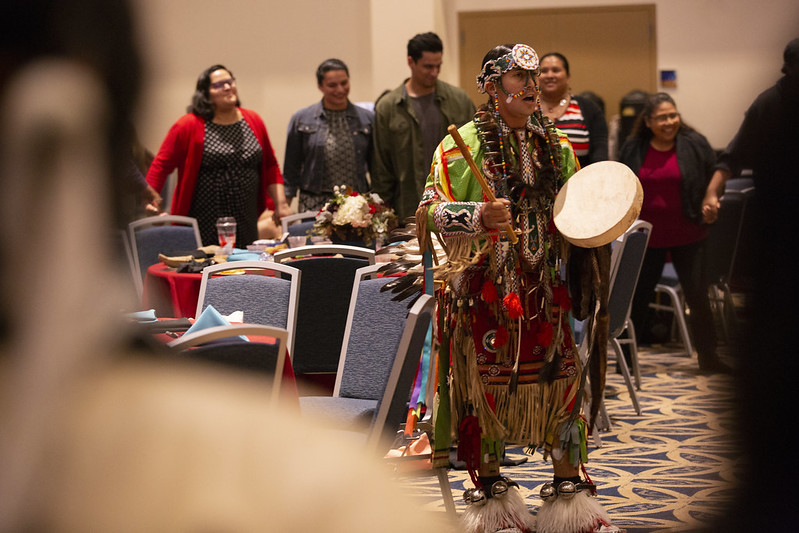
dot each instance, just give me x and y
(580, 119)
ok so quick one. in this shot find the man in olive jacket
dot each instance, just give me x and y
(410, 121)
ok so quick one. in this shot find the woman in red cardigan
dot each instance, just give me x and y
(226, 164)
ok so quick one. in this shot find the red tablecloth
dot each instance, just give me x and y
(171, 293)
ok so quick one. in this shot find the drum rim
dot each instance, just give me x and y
(623, 221)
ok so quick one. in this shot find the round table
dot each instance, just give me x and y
(171, 293)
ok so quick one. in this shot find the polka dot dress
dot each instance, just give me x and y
(229, 182)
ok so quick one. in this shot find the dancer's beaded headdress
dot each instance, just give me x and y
(521, 56)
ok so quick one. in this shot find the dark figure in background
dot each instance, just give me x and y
(225, 161)
(329, 143)
(410, 121)
(674, 163)
(579, 118)
(767, 143)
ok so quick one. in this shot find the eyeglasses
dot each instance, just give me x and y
(221, 84)
(665, 117)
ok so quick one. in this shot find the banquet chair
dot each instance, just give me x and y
(669, 287)
(123, 241)
(267, 293)
(379, 357)
(722, 247)
(625, 266)
(155, 235)
(318, 250)
(223, 345)
(723, 241)
(298, 224)
(624, 279)
(328, 272)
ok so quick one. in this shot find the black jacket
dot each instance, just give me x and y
(695, 158)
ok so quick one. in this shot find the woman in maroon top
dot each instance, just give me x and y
(674, 164)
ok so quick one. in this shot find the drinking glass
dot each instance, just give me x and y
(226, 230)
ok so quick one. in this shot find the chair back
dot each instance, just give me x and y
(323, 303)
(223, 345)
(267, 293)
(371, 338)
(298, 219)
(724, 235)
(326, 249)
(166, 235)
(298, 225)
(392, 408)
(624, 275)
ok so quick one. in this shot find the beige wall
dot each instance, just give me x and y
(725, 51)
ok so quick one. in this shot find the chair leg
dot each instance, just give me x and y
(625, 372)
(718, 300)
(730, 317)
(632, 341)
(678, 309)
(446, 490)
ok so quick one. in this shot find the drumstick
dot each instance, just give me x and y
(467, 155)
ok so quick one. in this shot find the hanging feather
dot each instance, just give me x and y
(407, 262)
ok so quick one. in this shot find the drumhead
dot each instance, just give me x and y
(598, 204)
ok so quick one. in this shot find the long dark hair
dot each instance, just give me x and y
(201, 104)
(640, 129)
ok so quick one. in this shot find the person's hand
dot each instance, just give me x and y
(710, 208)
(283, 210)
(496, 214)
(711, 203)
(153, 201)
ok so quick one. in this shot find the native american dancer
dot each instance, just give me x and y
(509, 367)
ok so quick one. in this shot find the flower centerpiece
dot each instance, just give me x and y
(356, 217)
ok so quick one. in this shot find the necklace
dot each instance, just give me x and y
(562, 103)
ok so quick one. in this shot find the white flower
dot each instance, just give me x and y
(354, 211)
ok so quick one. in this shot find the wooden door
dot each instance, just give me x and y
(611, 50)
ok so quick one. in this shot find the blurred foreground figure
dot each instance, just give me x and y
(96, 435)
(766, 143)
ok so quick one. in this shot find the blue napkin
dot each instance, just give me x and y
(209, 318)
(244, 255)
(143, 316)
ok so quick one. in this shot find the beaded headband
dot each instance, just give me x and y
(522, 56)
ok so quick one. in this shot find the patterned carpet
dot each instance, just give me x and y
(670, 469)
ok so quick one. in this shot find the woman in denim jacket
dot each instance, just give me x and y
(329, 143)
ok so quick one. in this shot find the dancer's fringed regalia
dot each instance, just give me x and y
(509, 369)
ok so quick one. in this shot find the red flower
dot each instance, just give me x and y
(489, 292)
(513, 305)
(353, 193)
